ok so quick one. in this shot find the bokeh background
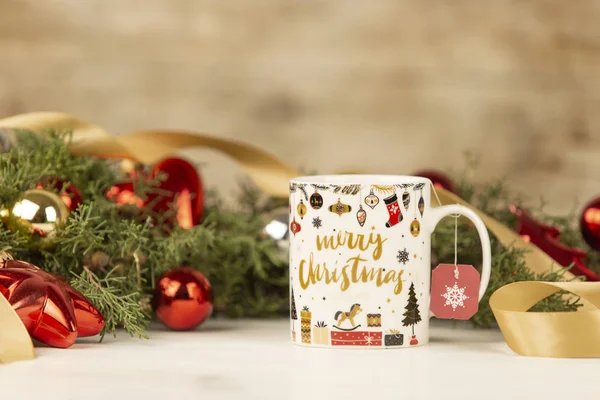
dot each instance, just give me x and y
(386, 86)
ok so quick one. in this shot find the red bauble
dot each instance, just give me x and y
(590, 223)
(182, 299)
(52, 311)
(123, 194)
(438, 179)
(184, 184)
(71, 196)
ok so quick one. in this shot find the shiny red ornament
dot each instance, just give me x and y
(182, 299)
(123, 194)
(438, 179)
(71, 196)
(590, 223)
(52, 311)
(183, 185)
(546, 237)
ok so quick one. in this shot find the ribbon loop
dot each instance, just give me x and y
(548, 334)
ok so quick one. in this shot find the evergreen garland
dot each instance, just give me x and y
(246, 270)
(114, 253)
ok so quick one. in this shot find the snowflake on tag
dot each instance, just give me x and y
(402, 256)
(455, 296)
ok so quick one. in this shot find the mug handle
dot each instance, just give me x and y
(440, 212)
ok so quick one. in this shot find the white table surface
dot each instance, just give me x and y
(254, 359)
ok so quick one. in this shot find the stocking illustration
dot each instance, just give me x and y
(393, 209)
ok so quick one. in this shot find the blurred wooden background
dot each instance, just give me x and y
(384, 86)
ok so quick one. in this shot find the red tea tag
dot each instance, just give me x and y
(454, 291)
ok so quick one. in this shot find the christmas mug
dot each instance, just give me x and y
(360, 253)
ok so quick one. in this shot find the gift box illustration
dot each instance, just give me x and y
(393, 337)
(305, 324)
(321, 333)
(374, 320)
(356, 338)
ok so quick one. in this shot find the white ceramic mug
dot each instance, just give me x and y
(360, 249)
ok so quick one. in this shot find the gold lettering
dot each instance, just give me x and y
(355, 270)
(326, 242)
(341, 238)
(303, 283)
(378, 242)
(393, 276)
(352, 241)
(345, 279)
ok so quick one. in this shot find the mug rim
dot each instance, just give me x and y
(359, 179)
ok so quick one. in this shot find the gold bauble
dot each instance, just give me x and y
(340, 208)
(301, 209)
(415, 228)
(41, 209)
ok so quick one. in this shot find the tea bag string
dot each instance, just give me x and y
(456, 245)
(456, 216)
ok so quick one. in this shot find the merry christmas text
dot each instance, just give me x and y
(355, 271)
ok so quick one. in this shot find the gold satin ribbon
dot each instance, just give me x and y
(272, 176)
(15, 343)
(549, 334)
(148, 147)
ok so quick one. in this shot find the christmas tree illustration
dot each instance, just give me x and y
(412, 315)
(293, 313)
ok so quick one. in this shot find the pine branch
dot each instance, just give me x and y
(385, 189)
(113, 299)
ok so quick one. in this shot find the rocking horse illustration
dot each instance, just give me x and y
(342, 316)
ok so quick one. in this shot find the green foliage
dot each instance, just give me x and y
(248, 275)
(508, 265)
(247, 271)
